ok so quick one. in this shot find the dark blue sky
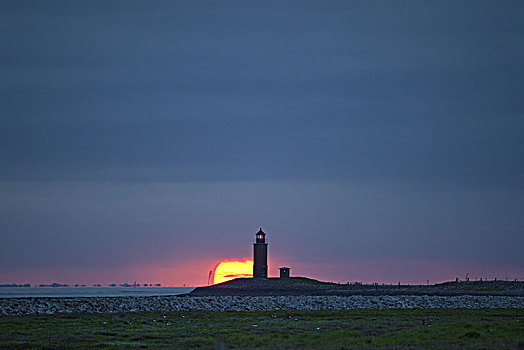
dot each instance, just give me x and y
(356, 133)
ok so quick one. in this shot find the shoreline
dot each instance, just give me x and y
(82, 292)
(110, 305)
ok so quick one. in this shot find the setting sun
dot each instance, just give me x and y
(230, 269)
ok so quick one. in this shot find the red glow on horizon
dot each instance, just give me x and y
(195, 272)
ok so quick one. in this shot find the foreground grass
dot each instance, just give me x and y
(445, 328)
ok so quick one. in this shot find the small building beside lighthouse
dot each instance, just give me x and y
(284, 272)
(260, 255)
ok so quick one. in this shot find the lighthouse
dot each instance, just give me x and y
(260, 255)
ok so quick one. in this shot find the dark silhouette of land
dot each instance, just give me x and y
(307, 286)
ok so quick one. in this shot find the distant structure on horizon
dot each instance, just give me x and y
(260, 255)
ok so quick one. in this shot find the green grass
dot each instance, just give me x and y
(401, 328)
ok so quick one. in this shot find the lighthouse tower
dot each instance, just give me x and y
(260, 255)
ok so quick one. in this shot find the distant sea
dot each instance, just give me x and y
(67, 292)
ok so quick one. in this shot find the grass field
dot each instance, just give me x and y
(400, 328)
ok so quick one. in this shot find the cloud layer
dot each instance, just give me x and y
(386, 130)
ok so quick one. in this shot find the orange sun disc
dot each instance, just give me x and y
(230, 269)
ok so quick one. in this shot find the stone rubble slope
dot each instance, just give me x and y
(32, 306)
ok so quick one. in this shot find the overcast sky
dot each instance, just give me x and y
(372, 141)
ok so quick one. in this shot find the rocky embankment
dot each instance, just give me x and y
(248, 294)
(25, 306)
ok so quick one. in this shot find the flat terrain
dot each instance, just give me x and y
(365, 328)
(307, 286)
